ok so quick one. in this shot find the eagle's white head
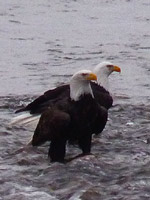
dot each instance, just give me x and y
(103, 70)
(80, 84)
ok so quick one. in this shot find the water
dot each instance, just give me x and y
(42, 44)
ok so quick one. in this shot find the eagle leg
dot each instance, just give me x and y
(85, 144)
(57, 150)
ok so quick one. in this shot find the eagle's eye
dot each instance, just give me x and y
(109, 66)
(84, 74)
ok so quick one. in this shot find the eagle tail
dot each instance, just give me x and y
(24, 119)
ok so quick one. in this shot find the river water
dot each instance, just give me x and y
(42, 43)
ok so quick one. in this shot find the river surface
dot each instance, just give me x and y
(42, 43)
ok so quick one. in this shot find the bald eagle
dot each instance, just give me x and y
(75, 117)
(51, 97)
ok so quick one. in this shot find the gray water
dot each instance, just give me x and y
(42, 43)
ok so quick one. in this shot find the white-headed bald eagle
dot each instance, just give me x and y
(77, 116)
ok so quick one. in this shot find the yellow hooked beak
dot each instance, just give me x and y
(91, 76)
(116, 69)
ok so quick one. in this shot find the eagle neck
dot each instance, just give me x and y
(103, 81)
(102, 77)
(80, 88)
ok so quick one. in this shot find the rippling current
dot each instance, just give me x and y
(42, 44)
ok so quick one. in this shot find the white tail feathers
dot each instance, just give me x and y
(24, 119)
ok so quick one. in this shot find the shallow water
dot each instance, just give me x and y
(42, 45)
